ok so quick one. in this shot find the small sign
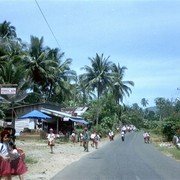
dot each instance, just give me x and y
(7, 90)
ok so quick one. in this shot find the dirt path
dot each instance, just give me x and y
(48, 164)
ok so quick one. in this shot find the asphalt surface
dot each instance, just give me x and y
(128, 160)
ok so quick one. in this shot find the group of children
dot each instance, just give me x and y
(11, 158)
(84, 137)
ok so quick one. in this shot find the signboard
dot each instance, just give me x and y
(6, 90)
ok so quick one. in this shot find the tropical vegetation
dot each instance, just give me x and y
(43, 74)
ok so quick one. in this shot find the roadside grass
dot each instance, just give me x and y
(173, 152)
(165, 147)
(30, 160)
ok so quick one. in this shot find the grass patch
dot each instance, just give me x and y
(30, 160)
(171, 151)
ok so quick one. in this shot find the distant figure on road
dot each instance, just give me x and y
(92, 138)
(51, 139)
(96, 140)
(86, 140)
(111, 135)
(73, 137)
(124, 129)
(146, 137)
(122, 135)
(81, 138)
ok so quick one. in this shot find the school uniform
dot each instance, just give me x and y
(18, 166)
(5, 167)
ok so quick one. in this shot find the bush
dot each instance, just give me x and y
(170, 128)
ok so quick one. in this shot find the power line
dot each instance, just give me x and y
(47, 23)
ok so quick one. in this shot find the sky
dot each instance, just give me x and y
(142, 35)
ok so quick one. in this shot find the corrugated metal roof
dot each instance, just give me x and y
(55, 113)
(64, 115)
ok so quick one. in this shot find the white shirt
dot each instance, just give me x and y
(123, 128)
(51, 137)
(4, 149)
(122, 133)
(111, 133)
(93, 135)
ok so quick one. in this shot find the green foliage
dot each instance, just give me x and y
(33, 98)
(153, 126)
(171, 127)
(101, 130)
(133, 115)
(2, 115)
(109, 122)
(165, 107)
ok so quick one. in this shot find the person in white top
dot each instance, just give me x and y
(122, 135)
(73, 137)
(96, 140)
(92, 138)
(51, 139)
(5, 166)
(124, 129)
(111, 135)
(146, 137)
(81, 138)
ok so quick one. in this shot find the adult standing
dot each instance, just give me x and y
(51, 139)
(86, 140)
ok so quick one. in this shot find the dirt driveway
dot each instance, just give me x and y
(44, 165)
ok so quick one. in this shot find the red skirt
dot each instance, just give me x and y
(18, 166)
(5, 167)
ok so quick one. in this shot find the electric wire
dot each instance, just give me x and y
(47, 23)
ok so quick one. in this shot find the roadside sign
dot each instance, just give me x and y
(6, 90)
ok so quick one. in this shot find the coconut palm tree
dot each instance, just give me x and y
(7, 31)
(144, 102)
(120, 88)
(39, 67)
(50, 75)
(97, 76)
(84, 93)
(60, 83)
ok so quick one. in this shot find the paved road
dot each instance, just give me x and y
(128, 160)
